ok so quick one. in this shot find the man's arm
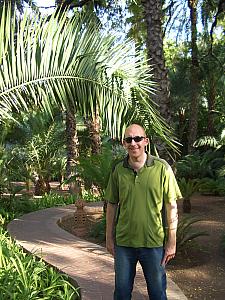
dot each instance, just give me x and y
(172, 221)
(110, 225)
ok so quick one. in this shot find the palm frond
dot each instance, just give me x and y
(69, 62)
(206, 141)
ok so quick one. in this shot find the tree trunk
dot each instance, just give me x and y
(211, 97)
(72, 151)
(194, 105)
(93, 125)
(153, 17)
(41, 186)
(186, 205)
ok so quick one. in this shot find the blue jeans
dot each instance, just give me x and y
(126, 259)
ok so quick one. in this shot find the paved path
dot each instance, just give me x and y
(86, 263)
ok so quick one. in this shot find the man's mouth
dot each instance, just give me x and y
(133, 148)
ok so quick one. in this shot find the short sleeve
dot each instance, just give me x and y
(171, 190)
(111, 193)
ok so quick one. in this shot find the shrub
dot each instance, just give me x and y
(25, 277)
(98, 229)
(186, 233)
(213, 186)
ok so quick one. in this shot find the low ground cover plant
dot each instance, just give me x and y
(22, 275)
(25, 277)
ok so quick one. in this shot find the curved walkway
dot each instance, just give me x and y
(86, 263)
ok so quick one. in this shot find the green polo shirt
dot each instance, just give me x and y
(140, 197)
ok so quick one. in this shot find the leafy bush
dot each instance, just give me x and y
(188, 186)
(95, 170)
(98, 230)
(51, 200)
(200, 165)
(17, 206)
(25, 277)
(186, 233)
(213, 186)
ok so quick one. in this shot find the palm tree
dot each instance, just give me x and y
(59, 61)
(195, 82)
(153, 14)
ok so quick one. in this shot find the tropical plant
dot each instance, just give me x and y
(98, 229)
(188, 188)
(86, 68)
(186, 233)
(194, 165)
(38, 157)
(24, 276)
(211, 141)
(95, 169)
(213, 186)
(4, 174)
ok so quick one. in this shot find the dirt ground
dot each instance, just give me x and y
(200, 272)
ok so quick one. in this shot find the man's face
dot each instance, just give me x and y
(135, 148)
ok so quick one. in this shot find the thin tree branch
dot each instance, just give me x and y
(67, 3)
(72, 3)
(220, 10)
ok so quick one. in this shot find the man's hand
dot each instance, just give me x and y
(172, 220)
(110, 246)
(170, 251)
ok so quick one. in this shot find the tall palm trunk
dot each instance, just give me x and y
(211, 97)
(41, 186)
(153, 18)
(72, 150)
(93, 125)
(194, 105)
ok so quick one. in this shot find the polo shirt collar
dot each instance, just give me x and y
(149, 161)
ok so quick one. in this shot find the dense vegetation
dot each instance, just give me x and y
(68, 88)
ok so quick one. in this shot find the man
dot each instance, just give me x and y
(138, 188)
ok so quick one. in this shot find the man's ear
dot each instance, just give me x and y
(146, 141)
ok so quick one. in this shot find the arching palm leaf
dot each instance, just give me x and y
(68, 61)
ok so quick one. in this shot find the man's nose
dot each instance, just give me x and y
(133, 142)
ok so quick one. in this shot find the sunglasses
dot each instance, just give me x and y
(137, 139)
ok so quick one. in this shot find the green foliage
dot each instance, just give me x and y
(95, 170)
(200, 165)
(89, 196)
(186, 233)
(70, 62)
(25, 277)
(188, 186)
(41, 152)
(4, 170)
(209, 141)
(98, 230)
(13, 206)
(53, 199)
(213, 186)
(194, 166)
